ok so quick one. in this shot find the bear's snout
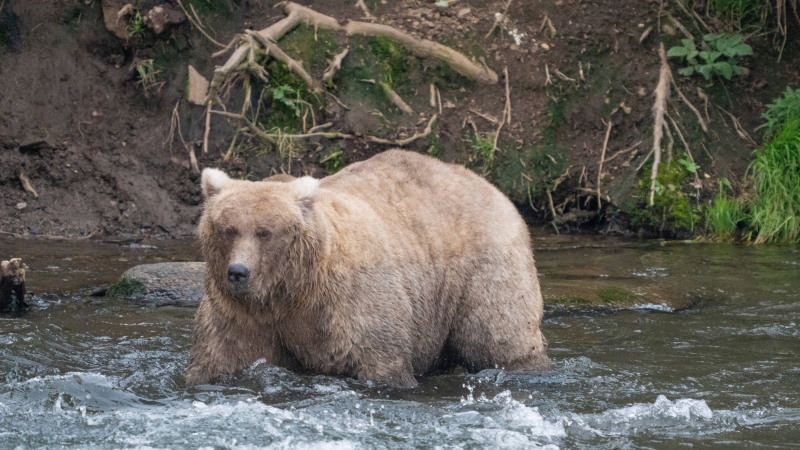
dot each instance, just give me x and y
(238, 275)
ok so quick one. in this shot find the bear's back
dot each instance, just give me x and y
(432, 197)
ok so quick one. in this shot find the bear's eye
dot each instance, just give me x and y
(230, 232)
(264, 234)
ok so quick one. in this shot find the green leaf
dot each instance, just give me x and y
(743, 50)
(733, 40)
(725, 69)
(705, 70)
(689, 44)
(737, 69)
(712, 56)
(678, 51)
(686, 71)
(704, 55)
(689, 165)
(693, 54)
(712, 37)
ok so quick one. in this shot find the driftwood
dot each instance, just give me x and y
(12, 286)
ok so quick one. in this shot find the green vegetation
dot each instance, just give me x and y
(481, 147)
(780, 110)
(724, 215)
(135, 25)
(740, 14)
(146, 72)
(706, 61)
(125, 288)
(775, 211)
(772, 211)
(334, 159)
(672, 209)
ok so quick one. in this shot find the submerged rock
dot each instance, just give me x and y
(162, 284)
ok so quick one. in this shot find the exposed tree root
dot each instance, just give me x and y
(659, 110)
(297, 14)
(335, 66)
(602, 160)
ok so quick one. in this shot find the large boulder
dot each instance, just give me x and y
(162, 284)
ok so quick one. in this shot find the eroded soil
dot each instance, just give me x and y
(76, 121)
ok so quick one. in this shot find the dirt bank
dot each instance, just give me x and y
(77, 121)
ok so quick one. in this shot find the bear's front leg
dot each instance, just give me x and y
(226, 340)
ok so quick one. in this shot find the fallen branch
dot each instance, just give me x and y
(659, 110)
(602, 160)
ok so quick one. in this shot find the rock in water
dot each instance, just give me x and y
(162, 284)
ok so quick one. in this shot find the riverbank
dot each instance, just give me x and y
(97, 132)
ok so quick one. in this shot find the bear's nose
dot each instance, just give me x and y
(238, 273)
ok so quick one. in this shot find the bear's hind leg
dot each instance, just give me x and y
(497, 324)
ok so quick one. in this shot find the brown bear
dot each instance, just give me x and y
(397, 266)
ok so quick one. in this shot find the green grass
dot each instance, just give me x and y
(481, 148)
(724, 214)
(781, 109)
(775, 211)
(740, 14)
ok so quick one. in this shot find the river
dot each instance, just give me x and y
(84, 371)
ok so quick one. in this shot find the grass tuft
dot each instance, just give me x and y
(775, 212)
(724, 215)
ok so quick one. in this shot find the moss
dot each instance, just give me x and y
(615, 296)
(126, 288)
(524, 174)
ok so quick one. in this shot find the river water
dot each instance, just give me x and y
(79, 371)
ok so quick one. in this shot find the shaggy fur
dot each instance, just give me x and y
(397, 266)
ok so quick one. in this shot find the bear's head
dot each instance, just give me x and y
(252, 233)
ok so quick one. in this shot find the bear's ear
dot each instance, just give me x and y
(305, 186)
(213, 181)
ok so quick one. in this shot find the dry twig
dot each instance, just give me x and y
(27, 185)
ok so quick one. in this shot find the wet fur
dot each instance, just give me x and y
(391, 268)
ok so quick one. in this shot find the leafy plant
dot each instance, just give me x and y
(688, 164)
(775, 212)
(717, 56)
(780, 110)
(281, 94)
(136, 25)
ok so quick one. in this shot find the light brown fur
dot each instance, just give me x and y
(397, 266)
